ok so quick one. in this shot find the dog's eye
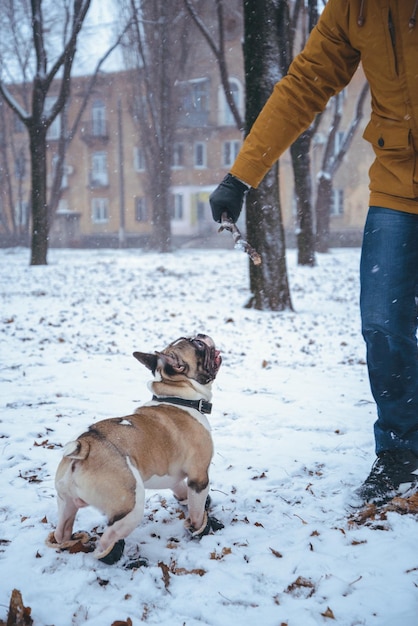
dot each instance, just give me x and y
(200, 345)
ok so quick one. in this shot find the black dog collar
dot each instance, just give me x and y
(200, 405)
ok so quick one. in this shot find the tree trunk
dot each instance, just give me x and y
(300, 153)
(301, 161)
(38, 120)
(323, 204)
(268, 281)
(330, 163)
(40, 222)
(161, 238)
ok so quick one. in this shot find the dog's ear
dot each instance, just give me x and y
(172, 364)
(149, 360)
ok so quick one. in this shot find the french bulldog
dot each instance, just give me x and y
(166, 443)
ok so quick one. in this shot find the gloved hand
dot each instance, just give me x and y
(228, 198)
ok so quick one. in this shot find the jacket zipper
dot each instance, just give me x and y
(393, 40)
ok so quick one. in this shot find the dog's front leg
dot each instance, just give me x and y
(196, 505)
(180, 492)
(199, 523)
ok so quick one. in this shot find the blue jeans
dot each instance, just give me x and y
(389, 288)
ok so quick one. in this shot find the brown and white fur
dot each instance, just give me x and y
(162, 445)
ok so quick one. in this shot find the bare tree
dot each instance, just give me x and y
(45, 66)
(331, 161)
(29, 101)
(263, 41)
(264, 33)
(157, 48)
(300, 22)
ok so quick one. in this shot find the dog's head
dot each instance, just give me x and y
(195, 358)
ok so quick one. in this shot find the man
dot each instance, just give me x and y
(383, 36)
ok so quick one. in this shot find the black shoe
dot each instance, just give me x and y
(393, 473)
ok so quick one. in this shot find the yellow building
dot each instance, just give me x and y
(104, 199)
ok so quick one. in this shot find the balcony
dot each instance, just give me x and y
(94, 132)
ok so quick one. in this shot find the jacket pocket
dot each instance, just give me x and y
(393, 169)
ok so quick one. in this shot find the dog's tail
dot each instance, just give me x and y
(78, 449)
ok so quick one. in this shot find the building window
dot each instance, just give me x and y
(54, 130)
(22, 213)
(100, 210)
(337, 203)
(20, 165)
(99, 176)
(98, 118)
(230, 152)
(18, 125)
(141, 211)
(225, 115)
(65, 171)
(199, 154)
(194, 102)
(177, 212)
(178, 155)
(139, 160)
(200, 94)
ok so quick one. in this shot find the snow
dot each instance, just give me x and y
(292, 424)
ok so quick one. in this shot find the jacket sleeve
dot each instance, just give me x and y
(324, 67)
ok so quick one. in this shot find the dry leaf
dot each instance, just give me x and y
(276, 553)
(180, 571)
(370, 513)
(328, 613)
(166, 574)
(19, 615)
(78, 546)
(301, 584)
(262, 475)
(45, 444)
(215, 556)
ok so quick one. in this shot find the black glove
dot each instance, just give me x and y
(228, 198)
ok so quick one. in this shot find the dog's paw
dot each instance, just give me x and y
(81, 538)
(209, 524)
(215, 524)
(112, 554)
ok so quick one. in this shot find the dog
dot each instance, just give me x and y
(166, 443)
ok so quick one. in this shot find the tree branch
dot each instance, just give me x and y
(219, 53)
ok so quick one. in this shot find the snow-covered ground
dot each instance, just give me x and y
(292, 426)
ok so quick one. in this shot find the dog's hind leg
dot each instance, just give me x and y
(67, 510)
(110, 546)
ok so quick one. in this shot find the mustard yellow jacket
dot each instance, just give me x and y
(383, 35)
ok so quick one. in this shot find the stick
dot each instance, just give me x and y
(240, 243)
